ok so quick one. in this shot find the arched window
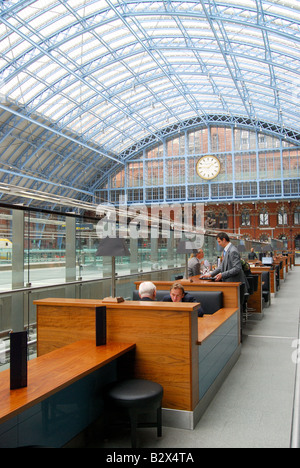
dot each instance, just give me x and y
(282, 219)
(252, 166)
(264, 238)
(223, 221)
(264, 218)
(245, 218)
(297, 215)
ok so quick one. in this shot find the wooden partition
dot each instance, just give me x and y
(165, 334)
(292, 258)
(255, 301)
(61, 322)
(189, 356)
(272, 272)
(166, 346)
(231, 291)
(282, 271)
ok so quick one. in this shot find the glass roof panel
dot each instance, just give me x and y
(128, 67)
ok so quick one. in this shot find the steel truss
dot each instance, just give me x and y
(87, 85)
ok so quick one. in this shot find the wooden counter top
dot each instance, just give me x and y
(132, 305)
(194, 280)
(208, 324)
(53, 372)
(92, 303)
(197, 280)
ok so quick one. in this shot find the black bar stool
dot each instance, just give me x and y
(138, 397)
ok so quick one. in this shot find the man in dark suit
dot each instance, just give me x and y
(252, 255)
(178, 294)
(231, 269)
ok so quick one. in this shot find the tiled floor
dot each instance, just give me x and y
(254, 406)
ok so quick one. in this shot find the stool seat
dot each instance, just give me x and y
(135, 393)
(137, 397)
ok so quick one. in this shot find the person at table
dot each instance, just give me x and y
(178, 294)
(147, 291)
(252, 255)
(230, 269)
(197, 265)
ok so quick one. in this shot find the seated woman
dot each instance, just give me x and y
(197, 265)
(177, 294)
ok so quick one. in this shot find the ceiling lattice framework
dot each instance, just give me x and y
(85, 84)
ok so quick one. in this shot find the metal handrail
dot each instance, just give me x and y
(81, 281)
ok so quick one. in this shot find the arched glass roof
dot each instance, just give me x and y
(84, 83)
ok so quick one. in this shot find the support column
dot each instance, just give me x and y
(70, 249)
(17, 301)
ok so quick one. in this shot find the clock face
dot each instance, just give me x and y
(208, 167)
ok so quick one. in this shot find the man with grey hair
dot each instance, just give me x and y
(147, 291)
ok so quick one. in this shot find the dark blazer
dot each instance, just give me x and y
(147, 299)
(186, 298)
(252, 256)
(231, 267)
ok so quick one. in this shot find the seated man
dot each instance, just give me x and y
(177, 294)
(147, 291)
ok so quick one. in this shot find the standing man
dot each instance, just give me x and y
(230, 269)
(252, 255)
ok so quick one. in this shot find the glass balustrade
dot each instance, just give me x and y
(53, 255)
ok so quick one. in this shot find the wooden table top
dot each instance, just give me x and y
(197, 280)
(54, 371)
(91, 303)
(208, 324)
(73, 302)
(193, 280)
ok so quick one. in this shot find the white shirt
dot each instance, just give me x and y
(227, 247)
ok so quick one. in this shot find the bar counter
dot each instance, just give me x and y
(64, 377)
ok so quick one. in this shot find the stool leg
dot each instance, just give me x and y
(133, 428)
(159, 422)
